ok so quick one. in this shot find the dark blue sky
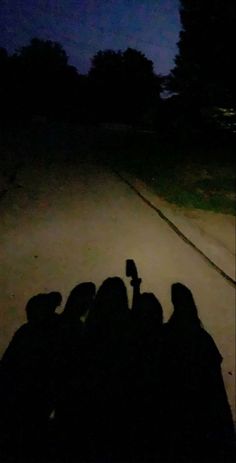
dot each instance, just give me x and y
(85, 26)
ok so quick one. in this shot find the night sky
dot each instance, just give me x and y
(85, 26)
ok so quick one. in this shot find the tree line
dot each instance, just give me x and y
(38, 80)
(122, 87)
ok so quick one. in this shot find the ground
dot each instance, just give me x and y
(66, 221)
(211, 233)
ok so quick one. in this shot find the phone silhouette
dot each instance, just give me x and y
(131, 269)
(131, 272)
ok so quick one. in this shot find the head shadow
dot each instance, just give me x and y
(150, 310)
(185, 309)
(41, 308)
(111, 302)
(80, 301)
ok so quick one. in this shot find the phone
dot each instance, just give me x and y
(131, 269)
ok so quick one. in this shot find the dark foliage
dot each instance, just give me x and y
(204, 74)
(204, 70)
(124, 85)
(37, 82)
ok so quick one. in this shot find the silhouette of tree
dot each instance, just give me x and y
(204, 70)
(43, 54)
(4, 74)
(204, 75)
(44, 83)
(124, 85)
(3, 63)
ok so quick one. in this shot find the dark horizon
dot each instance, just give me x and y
(87, 27)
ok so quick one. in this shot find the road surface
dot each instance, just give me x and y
(65, 223)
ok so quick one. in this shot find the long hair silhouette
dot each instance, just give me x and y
(185, 309)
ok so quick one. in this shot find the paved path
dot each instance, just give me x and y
(211, 234)
(71, 223)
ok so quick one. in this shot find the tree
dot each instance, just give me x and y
(3, 70)
(3, 57)
(105, 77)
(43, 54)
(204, 73)
(123, 85)
(141, 86)
(44, 82)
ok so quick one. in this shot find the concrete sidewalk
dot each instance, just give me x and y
(212, 233)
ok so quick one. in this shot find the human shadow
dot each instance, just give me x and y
(102, 383)
(27, 393)
(70, 415)
(144, 385)
(197, 420)
(106, 333)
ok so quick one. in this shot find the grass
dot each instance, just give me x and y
(188, 176)
(193, 175)
(187, 186)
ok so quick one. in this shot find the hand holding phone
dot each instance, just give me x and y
(131, 271)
